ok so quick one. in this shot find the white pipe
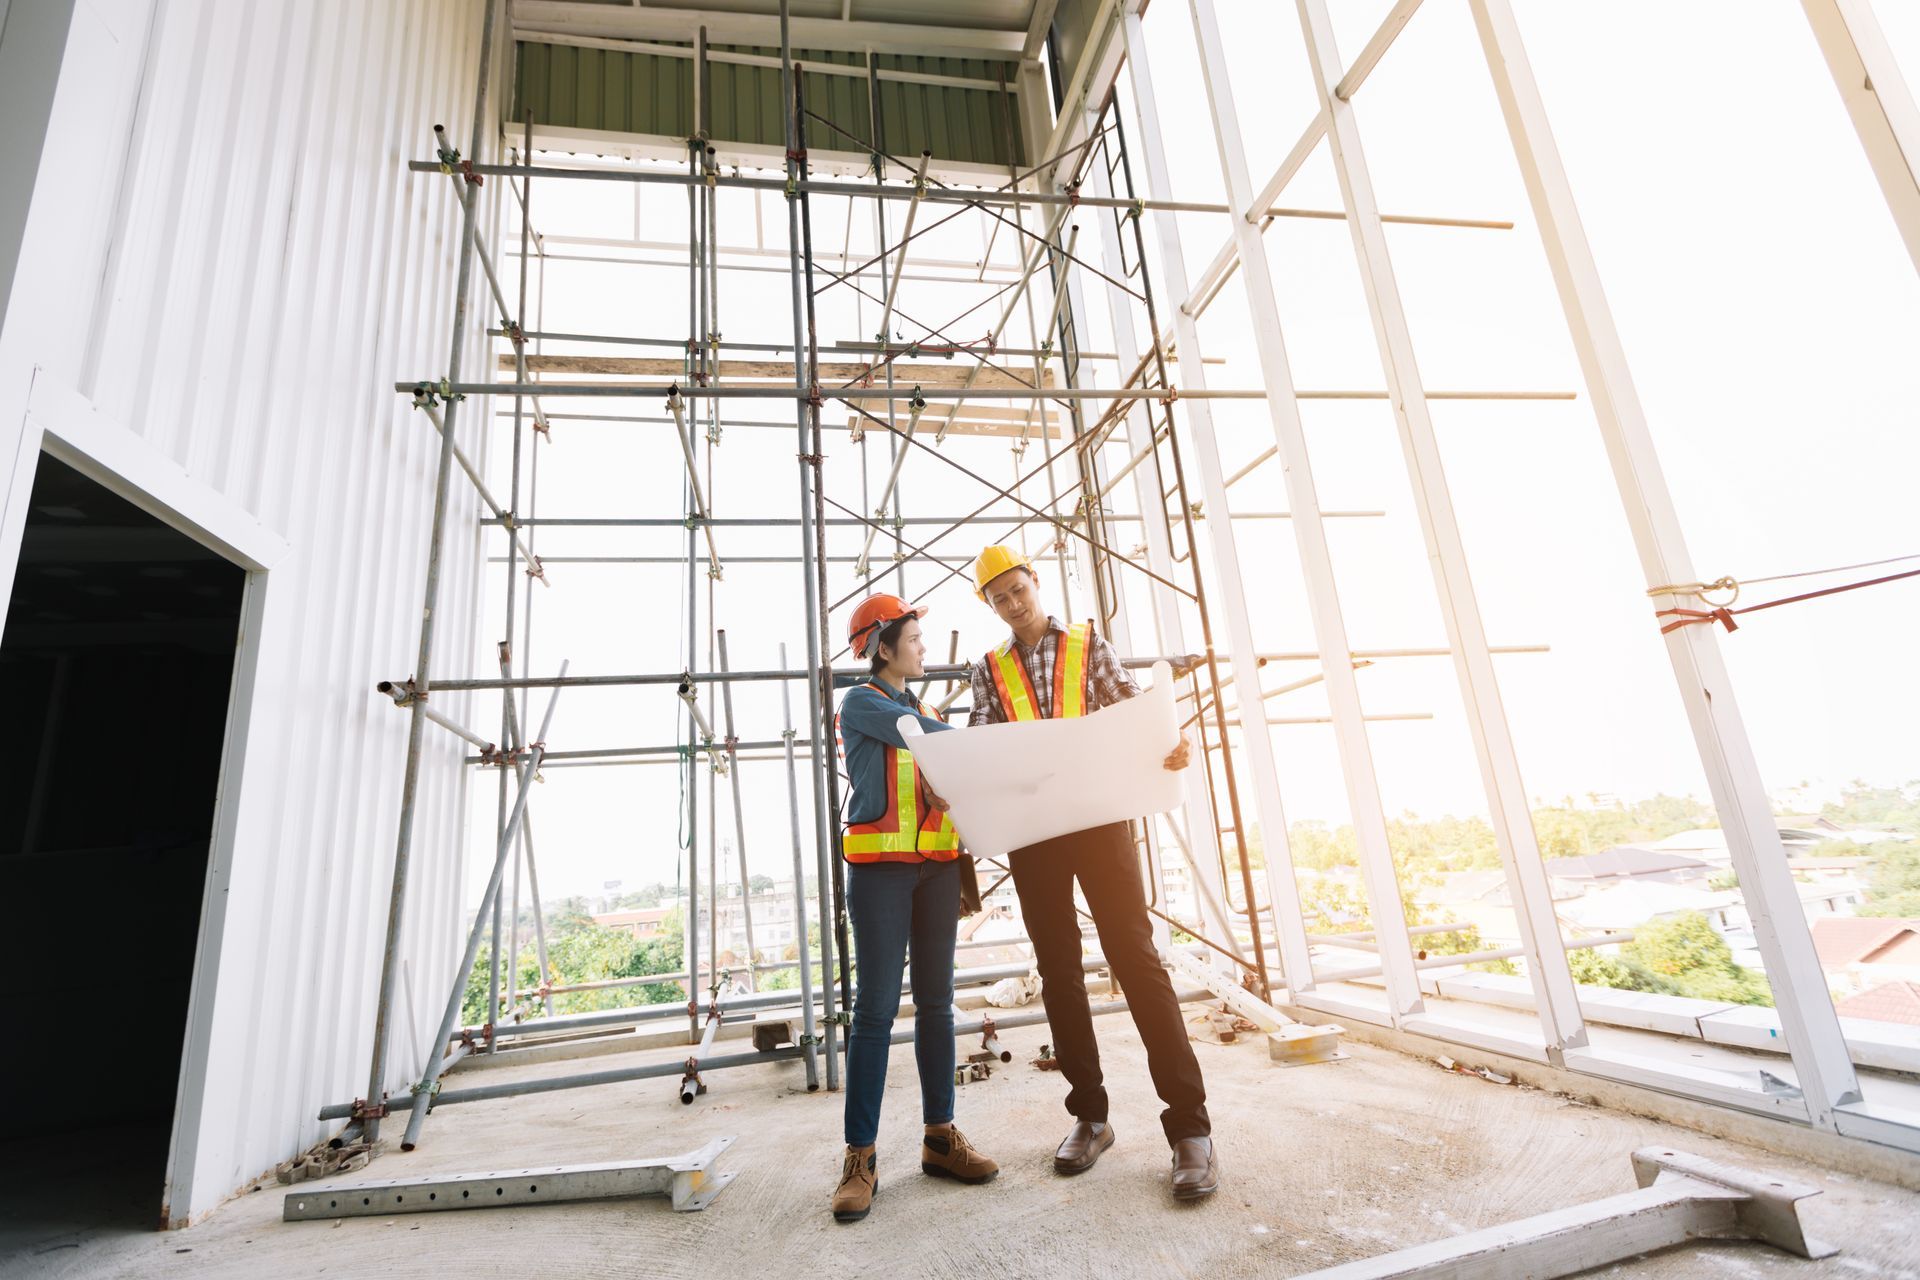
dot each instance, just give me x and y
(906, 237)
(693, 477)
(915, 407)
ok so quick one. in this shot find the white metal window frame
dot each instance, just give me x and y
(1828, 1093)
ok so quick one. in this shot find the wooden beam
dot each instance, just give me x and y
(971, 423)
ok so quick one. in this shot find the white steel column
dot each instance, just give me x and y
(1553, 988)
(1310, 537)
(1879, 102)
(1820, 1061)
(1202, 830)
(1282, 889)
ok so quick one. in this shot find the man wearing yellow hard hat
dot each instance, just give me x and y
(1043, 670)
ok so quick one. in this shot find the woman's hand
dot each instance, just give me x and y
(1181, 756)
(934, 799)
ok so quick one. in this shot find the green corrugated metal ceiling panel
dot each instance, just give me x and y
(618, 92)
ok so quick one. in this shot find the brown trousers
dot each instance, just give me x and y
(1104, 861)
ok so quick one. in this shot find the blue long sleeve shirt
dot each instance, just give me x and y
(867, 728)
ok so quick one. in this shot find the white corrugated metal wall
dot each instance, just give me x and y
(226, 260)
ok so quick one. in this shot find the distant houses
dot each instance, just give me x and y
(643, 924)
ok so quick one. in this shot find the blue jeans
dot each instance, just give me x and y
(895, 905)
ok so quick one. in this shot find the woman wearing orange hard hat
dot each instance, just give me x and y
(903, 890)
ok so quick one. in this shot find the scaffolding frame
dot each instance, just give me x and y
(1088, 166)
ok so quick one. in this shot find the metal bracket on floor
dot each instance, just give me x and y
(686, 1180)
(1682, 1198)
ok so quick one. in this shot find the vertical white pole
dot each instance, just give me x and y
(1310, 536)
(1877, 99)
(1169, 632)
(1554, 993)
(1820, 1060)
(1283, 891)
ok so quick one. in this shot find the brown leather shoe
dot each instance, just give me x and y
(1082, 1147)
(1196, 1169)
(945, 1153)
(859, 1180)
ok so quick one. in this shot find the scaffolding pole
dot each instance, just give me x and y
(374, 1103)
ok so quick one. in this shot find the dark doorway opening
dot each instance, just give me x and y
(117, 661)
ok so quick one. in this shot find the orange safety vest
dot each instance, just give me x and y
(910, 830)
(1017, 698)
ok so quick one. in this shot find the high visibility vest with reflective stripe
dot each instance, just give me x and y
(910, 830)
(1017, 697)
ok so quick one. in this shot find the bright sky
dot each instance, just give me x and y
(1768, 309)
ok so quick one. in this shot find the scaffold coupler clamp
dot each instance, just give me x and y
(491, 755)
(424, 397)
(473, 179)
(1172, 394)
(814, 399)
(449, 156)
(429, 1087)
(514, 333)
(1073, 195)
(537, 570)
(447, 392)
(403, 692)
(842, 1017)
(364, 1110)
(1138, 207)
(804, 1040)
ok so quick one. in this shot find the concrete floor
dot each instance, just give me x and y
(1322, 1165)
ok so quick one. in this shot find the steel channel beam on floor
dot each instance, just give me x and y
(687, 1181)
(1681, 1199)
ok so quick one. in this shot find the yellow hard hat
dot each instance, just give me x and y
(993, 562)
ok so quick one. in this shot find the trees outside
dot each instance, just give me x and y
(1894, 889)
(580, 951)
(1683, 956)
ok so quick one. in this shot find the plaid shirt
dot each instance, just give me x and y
(1107, 681)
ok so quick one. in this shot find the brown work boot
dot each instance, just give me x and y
(859, 1180)
(946, 1153)
(1082, 1146)
(1196, 1169)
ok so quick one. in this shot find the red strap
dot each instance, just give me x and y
(1723, 616)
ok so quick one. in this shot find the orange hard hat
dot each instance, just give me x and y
(872, 616)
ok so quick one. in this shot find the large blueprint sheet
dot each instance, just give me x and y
(1011, 785)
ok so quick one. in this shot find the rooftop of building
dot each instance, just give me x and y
(1844, 940)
